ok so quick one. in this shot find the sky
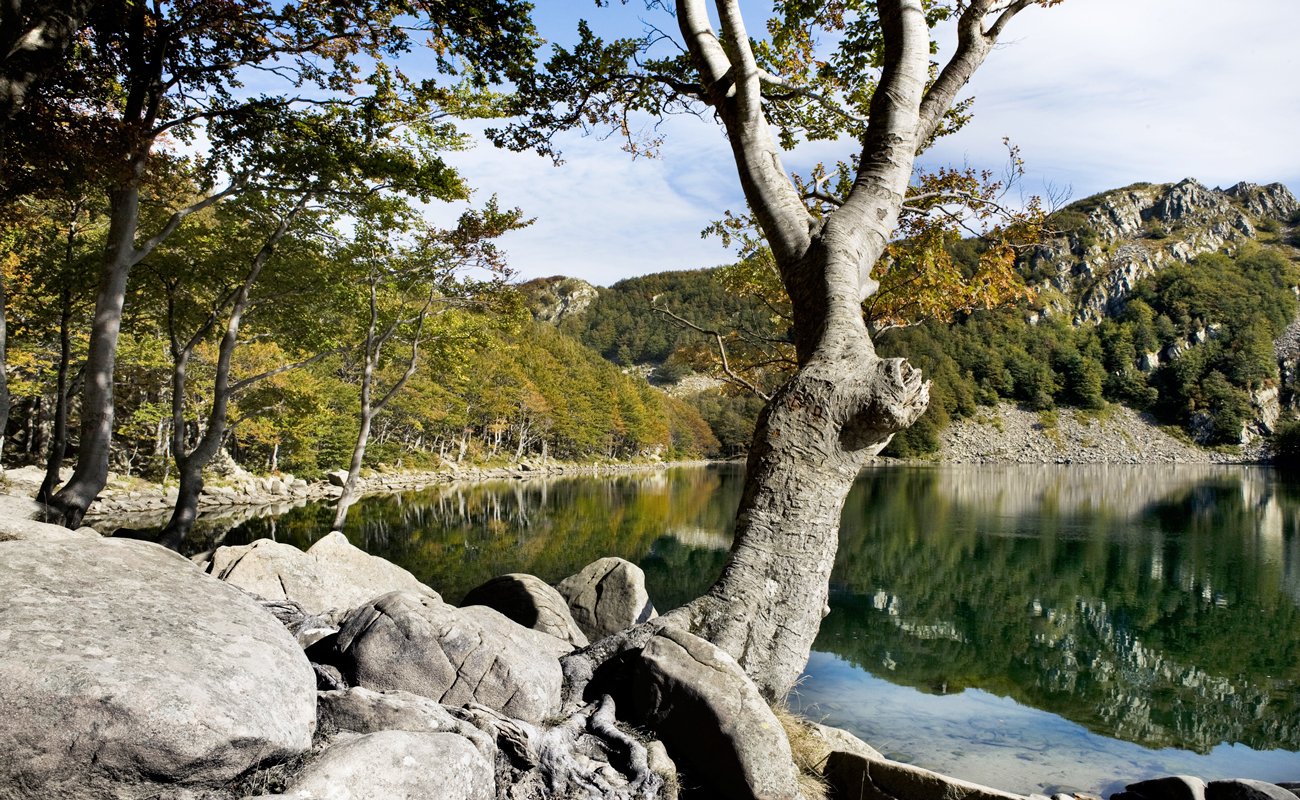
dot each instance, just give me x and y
(1096, 93)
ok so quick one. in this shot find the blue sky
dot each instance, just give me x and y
(1097, 94)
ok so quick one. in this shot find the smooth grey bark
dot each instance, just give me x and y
(97, 409)
(844, 403)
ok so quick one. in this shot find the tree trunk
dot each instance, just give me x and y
(811, 442)
(349, 495)
(844, 403)
(189, 466)
(96, 441)
(59, 432)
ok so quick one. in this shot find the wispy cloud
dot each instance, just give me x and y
(1097, 93)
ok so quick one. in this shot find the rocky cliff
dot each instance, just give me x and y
(1109, 242)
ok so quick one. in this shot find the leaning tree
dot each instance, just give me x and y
(872, 82)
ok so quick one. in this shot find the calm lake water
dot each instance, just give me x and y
(1031, 628)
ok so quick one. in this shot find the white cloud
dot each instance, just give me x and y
(1098, 94)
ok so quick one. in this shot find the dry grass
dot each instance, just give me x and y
(809, 751)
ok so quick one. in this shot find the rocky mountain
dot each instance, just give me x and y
(1113, 240)
(1177, 300)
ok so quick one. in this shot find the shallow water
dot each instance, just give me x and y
(1031, 628)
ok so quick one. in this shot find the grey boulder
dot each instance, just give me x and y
(1242, 789)
(397, 765)
(711, 717)
(121, 661)
(607, 596)
(362, 710)
(18, 522)
(419, 644)
(530, 602)
(1174, 787)
(331, 574)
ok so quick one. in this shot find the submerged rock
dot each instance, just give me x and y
(122, 662)
(607, 596)
(331, 574)
(419, 644)
(529, 601)
(858, 777)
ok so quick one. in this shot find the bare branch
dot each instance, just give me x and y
(178, 217)
(722, 352)
(239, 386)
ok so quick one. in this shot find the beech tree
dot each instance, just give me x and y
(842, 403)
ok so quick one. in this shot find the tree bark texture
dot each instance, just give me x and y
(843, 404)
(91, 472)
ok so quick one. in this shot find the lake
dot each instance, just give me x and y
(1033, 628)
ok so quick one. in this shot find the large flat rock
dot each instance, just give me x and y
(331, 574)
(121, 661)
(419, 644)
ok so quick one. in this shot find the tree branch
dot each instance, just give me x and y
(236, 185)
(722, 352)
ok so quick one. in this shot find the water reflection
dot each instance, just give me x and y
(1156, 605)
(1159, 608)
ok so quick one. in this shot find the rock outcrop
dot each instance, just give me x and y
(331, 574)
(529, 601)
(607, 596)
(416, 643)
(121, 661)
(1131, 233)
(711, 717)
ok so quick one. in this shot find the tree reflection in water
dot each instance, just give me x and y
(1160, 605)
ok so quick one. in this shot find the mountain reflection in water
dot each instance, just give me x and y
(1157, 605)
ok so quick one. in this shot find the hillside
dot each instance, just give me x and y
(1175, 300)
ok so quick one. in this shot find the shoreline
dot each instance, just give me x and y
(999, 435)
(148, 504)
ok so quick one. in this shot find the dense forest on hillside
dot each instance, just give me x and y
(1191, 342)
(490, 384)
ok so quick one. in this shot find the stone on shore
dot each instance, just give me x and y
(338, 477)
(1242, 789)
(529, 601)
(1174, 787)
(331, 574)
(19, 522)
(362, 710)
(856, 777)
(397, 765)
(711, 717)
(123, 664)
(607, 596)
(419, 644)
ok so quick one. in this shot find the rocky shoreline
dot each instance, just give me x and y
(236, 492)
(260, 671)
(1010, 434)
(1003, 434)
